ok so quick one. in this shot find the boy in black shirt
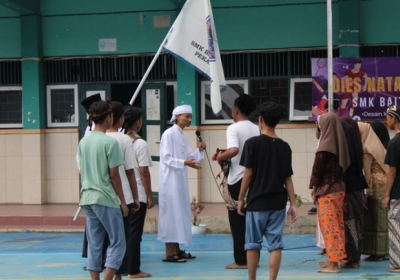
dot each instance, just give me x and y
(267, 177)
(392, 193)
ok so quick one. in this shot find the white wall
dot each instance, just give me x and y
(38, 166)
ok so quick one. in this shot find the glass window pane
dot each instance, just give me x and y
(272, 89)
(233, 90)
(302, 99)
(10, 106)
(62, 105)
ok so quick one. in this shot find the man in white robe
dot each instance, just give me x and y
(174, 220)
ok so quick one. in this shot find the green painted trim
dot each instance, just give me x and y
(10, 38)
(188, 89)
(31, 36)
(33, 95)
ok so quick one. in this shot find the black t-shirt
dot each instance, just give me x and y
(393, 159)
(271, 162)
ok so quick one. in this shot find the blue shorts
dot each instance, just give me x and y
(99, 221)
(268, 223)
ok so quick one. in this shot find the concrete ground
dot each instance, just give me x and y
(38, 255)
(58, 218)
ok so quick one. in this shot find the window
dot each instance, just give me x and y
(10, 107)
(272, 89)
(300, 99)
(62, 106)
(233, 89)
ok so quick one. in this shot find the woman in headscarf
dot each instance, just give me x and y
(375, 232)
(382, 132)
(353, 210)
(328, 188)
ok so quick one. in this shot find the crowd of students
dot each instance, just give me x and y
(356, 187)
(353, 181)
(115, 188)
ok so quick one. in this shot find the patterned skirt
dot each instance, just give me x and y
(330, 218)
(394, 233)
(353, 214)
(375, 233)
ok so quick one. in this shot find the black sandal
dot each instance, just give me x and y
(174, 259)
(182, 254)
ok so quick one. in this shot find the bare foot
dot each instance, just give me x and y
(349, 264)
(323, 264)
(235, 266)
(394, 270)
(322, 252)
(141, 274)
(328, 270)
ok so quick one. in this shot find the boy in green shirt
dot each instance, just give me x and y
(100, 157)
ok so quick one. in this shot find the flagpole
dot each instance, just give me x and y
(330, 72)
(148, 70)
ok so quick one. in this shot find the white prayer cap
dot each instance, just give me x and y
(183, 109)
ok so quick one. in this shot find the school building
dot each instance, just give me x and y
(54, 53)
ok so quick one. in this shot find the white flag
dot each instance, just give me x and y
(193, 39)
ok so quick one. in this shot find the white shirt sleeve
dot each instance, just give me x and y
(142, 152)
(232, 139)
(129, 156)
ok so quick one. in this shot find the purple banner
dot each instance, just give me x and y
(363, 87)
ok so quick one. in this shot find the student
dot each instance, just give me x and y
(236, 135)
(353, 204)
(101, 189)
(86, 104)
(328, 188)
(132, 125)
(267, 177)
(392, 194)
(174, 226)
(128, 179)
(375, 228)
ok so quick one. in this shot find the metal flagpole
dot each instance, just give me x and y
(148, 70)
(330, 72)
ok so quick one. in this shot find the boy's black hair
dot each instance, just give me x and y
(118, 111)
(271, 113)
(132, 114)
(98, 112)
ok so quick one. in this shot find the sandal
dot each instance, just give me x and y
(322, 252)
(182, 254)
(174, 259)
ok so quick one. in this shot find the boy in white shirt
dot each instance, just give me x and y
(128, 178)
(132, 125)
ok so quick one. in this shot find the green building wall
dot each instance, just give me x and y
(73, 28)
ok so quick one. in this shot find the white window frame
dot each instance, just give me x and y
(50, 122)
(12, 125)
(203, 101)
(292, 116)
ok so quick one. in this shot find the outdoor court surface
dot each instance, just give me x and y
(32, 255)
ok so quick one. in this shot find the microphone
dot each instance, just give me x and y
(199, 136)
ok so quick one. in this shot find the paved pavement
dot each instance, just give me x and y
(37, 256)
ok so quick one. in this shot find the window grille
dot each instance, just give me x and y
(380, 51)
(271, 64)
(109, 69)
(10, 73)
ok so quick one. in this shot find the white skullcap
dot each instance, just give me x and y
(183, 109)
